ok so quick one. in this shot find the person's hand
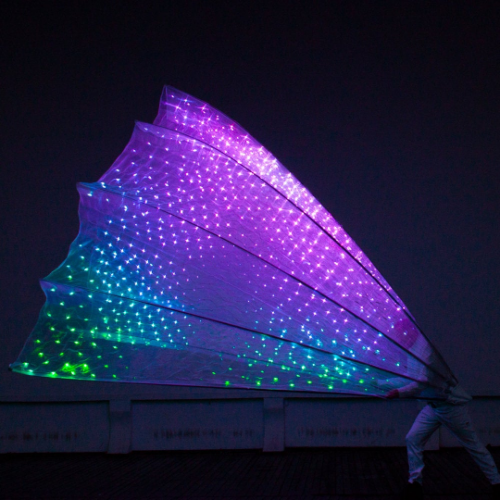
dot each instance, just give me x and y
(392, 394)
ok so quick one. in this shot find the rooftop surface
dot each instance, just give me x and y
(328, 473)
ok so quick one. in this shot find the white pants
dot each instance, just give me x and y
(456, 418)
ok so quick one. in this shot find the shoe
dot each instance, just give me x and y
(412, 491)
(495, 492)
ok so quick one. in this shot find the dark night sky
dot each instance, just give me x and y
(389, 112)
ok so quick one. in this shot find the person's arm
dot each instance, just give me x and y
(392, 394)
(412, 389)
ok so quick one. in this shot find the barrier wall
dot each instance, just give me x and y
(255, 420)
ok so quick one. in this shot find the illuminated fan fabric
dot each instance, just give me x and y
(201, 260)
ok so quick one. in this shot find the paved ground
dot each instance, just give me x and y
(333, 473)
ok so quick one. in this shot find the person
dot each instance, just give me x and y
(453, 414)
(446, 405)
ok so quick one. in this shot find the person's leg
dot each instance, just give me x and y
(457, 419)
(422, 429)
